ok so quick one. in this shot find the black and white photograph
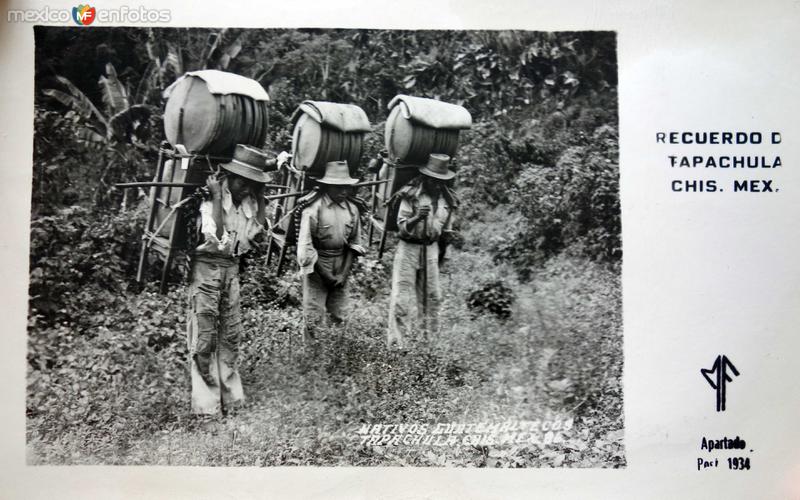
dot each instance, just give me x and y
(325, 247)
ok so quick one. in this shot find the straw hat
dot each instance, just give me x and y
(337, 173)
(437, 167)
(249, 162)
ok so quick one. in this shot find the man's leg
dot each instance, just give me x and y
(434, 290)
(404, 270)
(204, 297)
(337, 303)
(419, 294)
(336, 298)
(314, 297)
(230, 337)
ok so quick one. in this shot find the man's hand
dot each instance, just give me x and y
(339, 280)
(214, 186)
(283, 157)
(424, 212)
(258, 241)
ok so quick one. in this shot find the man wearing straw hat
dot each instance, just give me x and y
(425, 214)
(229, 220)
(328, 241)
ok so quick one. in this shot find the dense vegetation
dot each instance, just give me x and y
(532, 319)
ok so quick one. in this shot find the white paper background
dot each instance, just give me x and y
(704, 274)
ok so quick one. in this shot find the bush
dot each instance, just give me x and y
(103, 362)
(494, 298)
(80, 261)
(570, 202)
(108, 385)
(60, 162)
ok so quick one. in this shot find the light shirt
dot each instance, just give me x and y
(239, 225)
(431, 228)
(327, 227)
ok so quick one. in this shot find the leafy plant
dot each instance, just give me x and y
(77, 253)
(493, 298)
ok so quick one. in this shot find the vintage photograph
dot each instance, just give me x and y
(325, 247)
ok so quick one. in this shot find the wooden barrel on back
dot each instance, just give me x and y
(314, 145)
(200, 109)
(411, 142)
(308, 140)
(327, 131)
(212, 124)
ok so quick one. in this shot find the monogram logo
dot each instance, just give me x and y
(718, 376)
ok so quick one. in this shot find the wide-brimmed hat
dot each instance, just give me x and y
(249, 162)
(337, 173)
(437, 167)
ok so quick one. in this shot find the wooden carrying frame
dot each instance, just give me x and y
(165, 230)
(396, 176)
(293, 181)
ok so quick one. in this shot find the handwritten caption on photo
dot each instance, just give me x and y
(531, 432)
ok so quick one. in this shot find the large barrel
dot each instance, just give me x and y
(417, 127)
(327, 131)
(211, 111)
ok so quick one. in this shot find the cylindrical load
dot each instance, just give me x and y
(211, 111)
(417, 127)
(327, 131)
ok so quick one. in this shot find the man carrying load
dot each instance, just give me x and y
(229, 220)
(425, 210)
(328, 241)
